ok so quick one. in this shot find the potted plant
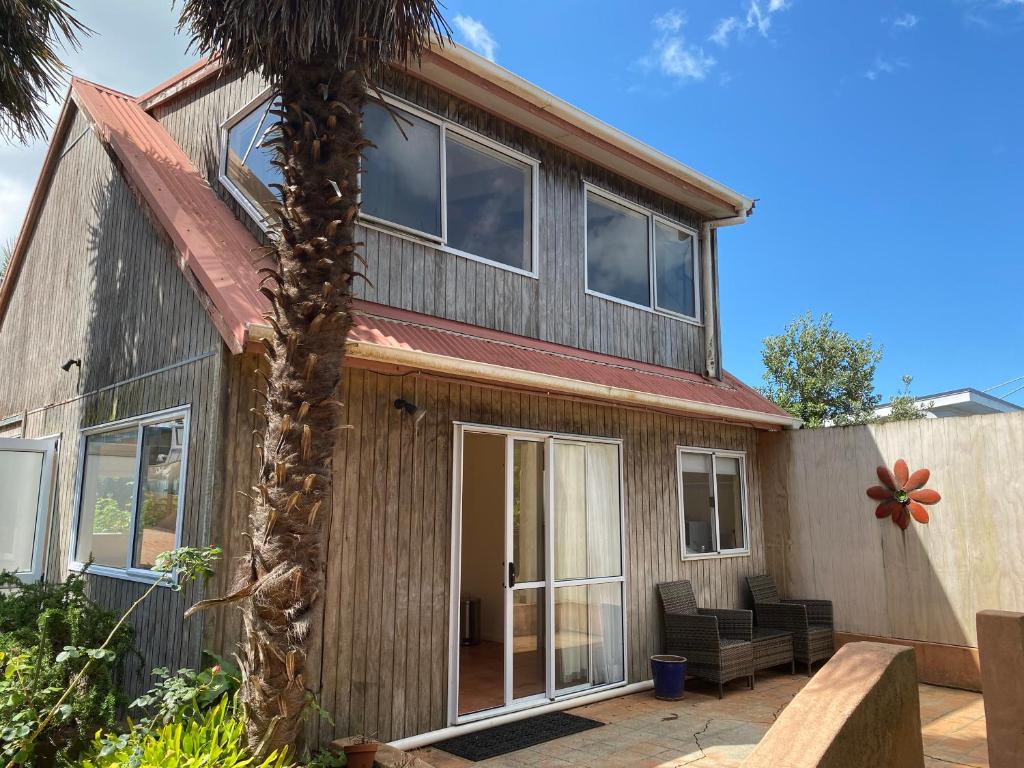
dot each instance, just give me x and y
(361, 752)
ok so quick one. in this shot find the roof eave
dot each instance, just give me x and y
(458, 70)
(460, 368)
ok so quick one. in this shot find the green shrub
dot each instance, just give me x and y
(215, 738)
(43, 628)
(188, 693)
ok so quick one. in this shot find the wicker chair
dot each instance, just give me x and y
(715, 641)
(810, 621)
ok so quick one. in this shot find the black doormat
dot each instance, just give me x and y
(503, 739)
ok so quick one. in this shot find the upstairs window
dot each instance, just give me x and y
(639, 258)
(246, 169)
(423, 176)
(130, 494)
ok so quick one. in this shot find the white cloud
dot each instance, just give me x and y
(722, 31)
(670, 21)
(883, 66)
(476, 35)
(670, 53)
(907, 21)
(758, 17)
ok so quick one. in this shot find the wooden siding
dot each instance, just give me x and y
(414, 275)
(926, 583)
(101, 285)
(382, 656)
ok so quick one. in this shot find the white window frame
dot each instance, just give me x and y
(714, 453)
(653, 219)
(48, 446)
(129, 572)
(262, 219)
(482, 143)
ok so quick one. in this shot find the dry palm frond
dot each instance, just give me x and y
(269, 36)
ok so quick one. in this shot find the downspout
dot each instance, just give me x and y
(709, 289)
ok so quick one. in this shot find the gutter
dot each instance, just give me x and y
(469, 369)
(709, 289)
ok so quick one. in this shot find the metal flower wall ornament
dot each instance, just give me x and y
(903, 495)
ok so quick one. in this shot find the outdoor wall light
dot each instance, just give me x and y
(412, 409)
(73, 361)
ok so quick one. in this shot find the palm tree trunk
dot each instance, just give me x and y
(318, 148)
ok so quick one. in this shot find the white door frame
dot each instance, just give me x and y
(551, 695)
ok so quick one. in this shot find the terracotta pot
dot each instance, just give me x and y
(360, 755)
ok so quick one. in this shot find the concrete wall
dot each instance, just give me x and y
(860, 711)
(1001, 641)
(923, 584)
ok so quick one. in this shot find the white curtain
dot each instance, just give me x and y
(588, 545)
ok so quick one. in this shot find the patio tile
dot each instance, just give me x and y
(642, 732)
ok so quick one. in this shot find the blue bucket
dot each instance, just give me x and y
(669, 673)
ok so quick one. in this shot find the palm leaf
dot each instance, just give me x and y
(31, 70)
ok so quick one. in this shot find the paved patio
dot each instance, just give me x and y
(643, 732)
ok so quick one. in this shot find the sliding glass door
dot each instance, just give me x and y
(562, 574)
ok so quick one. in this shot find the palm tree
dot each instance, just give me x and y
(30, 69)
(6, 251)
(320, 56)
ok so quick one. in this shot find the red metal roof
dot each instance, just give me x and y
(215, 247)
(387, 334)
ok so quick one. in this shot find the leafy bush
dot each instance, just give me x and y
(188, 693)
(215, 738)
(43, 631)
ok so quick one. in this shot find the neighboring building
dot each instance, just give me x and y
(543, 291)
(960, 402)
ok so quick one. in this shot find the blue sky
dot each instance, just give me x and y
(882, 139)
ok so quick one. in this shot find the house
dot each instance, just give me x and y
(540, 427)
(960, 402)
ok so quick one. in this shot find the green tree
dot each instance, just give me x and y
(321, 57)
(820, 374)
(31, 71)
(904, 405)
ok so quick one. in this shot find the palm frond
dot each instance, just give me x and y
(31, 70)
(269, 36)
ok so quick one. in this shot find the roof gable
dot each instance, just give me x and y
(217, 254)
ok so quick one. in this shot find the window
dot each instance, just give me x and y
(636, 257)
(130, 494)
(246, 169)
(401, 179)
(423, 176)
(26, 480)
(712, 502)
